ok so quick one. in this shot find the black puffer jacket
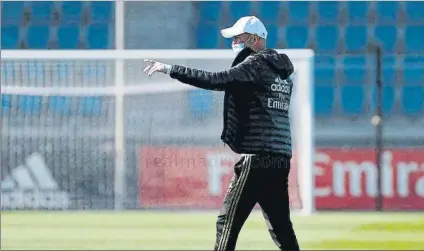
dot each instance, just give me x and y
(257, 99)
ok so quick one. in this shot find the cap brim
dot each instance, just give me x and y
(230, 32)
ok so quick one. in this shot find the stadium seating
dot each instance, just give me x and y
(209, 11)
(357, 12)
(199, 103)
(388, 101)
(59, 105)
(272, 39)
(239, 9)
(68, 36)
(41, 12)
(269, 12)
(339, 32)
(355, 37)
(413, 100)
(6, 102)
(328, 11)
(12, 12)
(97, 36)
(413, 73)
(386, 12)
(345, 30)
(71, 12)
(353, 99)
(90, 106)
(101, 12)
(386, 35)
(297, 36)
(30, 104)
(9, 36)
(207, 35)
(354, 70)
(38, 37)
(327, 38)
(326, 73)
(414, 35)
(299, 12)
(414, 11)
(324, 99)
(37, 23)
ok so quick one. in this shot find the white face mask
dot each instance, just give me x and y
(238, 47)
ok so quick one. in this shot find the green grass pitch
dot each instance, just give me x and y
(145, 230)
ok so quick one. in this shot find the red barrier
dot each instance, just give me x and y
(345, 179)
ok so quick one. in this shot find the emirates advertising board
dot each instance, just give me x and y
(344, 179)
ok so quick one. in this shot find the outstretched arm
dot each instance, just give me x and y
(245, 73)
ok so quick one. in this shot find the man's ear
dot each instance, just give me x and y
(255, 41)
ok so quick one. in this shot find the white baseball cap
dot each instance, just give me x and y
(249, 24)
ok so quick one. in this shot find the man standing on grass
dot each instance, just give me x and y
(257, 90)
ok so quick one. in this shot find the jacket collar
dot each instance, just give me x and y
(242, 56)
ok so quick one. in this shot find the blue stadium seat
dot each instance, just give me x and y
(101, 11)
(11, 12)
(239, 9)
(297, 12)
(324, 75)
(386, 35)
(325, 70)
(90, 106)
(6, 71)
(200, 103)
(297, 36)
(98, 36)
(386, 11)
(354, 70)
(356, 38)
(273, 36)
(71, 11)
(61, 71)
(227, 42)
(353, 98)
(388, 102)
(357, 12)
(68, 36)
(94, 73)
(270, 12)
(414, 11)
(414, 37)
(59, 104)
(6, 102)
(209, 11)
(207, 36)
(34, 72)
(30, 104)
(389, 76)
(324, 59)
(413, 99)
(413, 72)
(9, 37)
(41, 12)
(389, 71)
(389, 61)
(328, 11)
(324, 99)
(38, 36)
(327, 37)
